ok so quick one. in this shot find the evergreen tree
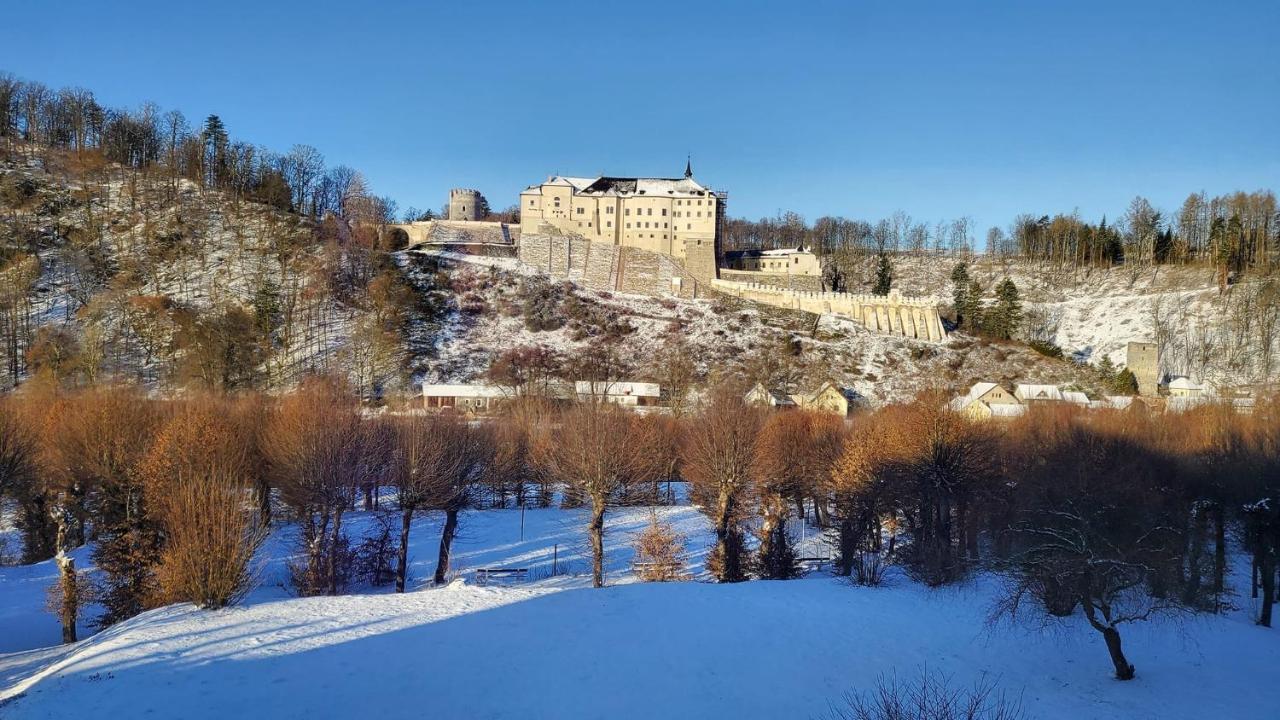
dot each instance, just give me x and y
(1125, 383)
(884, 276)
(975, 318)
(1106, 372)
(216, 166)
(960, 293)
(1008, 311)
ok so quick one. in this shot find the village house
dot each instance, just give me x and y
(635, 394)
(463, 398)
(988, 400)
(828, 398)
(762, 396)
(1028, 393)
(1185, 387)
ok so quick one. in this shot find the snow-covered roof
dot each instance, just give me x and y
(620, 186)
(1027, 391)
(1075, 396)
(760, 393)
(463, 390)
(1184, 383)
(1118, 402)
(636, 389)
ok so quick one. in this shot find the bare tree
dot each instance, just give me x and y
(719, 456)
(600, 450)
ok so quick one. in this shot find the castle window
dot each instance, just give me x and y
(579, 211)
(664, 212)
(609, 224)
(650, 211)
(687, 226)
(628, 211)
(664, 226)
(608, 210)
(628, 226)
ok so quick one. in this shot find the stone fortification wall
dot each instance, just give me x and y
(891, 314)
(447, 232)
(602, 266)
(812, 283)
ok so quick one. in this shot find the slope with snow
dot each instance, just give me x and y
(553, 647)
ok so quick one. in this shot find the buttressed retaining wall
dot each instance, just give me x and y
(890, 314)
(603, 266)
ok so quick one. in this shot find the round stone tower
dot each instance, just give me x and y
(465, 204)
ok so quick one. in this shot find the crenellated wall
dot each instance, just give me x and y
(891, 314)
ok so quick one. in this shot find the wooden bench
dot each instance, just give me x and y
(484, 575)
(813, 563)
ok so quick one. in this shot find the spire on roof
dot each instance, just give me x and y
(688, 167)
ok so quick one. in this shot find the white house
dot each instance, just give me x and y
(1185, 387)
(622, 393)
(1037, 393)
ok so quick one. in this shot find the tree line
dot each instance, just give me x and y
(1120, 516)
(154, 140)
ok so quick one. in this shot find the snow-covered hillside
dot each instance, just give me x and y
(553, 647)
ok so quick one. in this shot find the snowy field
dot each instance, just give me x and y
(554, 647)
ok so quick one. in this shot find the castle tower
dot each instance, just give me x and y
(465, 204)
(1143, 360)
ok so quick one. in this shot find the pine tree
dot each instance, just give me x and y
(884, 276)
(960, 293)
(975, 315)
(216, 142)
(1125, 383)
(1008, 310)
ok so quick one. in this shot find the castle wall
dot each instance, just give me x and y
(890, 314)
(602, 266)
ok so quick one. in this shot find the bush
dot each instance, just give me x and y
(210, 541)
(317, 552)
(929, 697)
(541, 301)
(660, 555)
(1046, 348)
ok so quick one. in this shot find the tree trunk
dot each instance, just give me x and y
(1267, 567)
(597, 544)
(1219, 554)
(402, 562)
(848, 547)
(446, 544)
(1194, 555)
(67, 576)
(264, 504)
(334, 549)
(1124, 670)
(70, 597)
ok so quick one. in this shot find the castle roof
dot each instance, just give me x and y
(626, 186)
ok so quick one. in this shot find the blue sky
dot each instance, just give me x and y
(941, 109)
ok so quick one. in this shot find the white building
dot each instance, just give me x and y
(622, 393)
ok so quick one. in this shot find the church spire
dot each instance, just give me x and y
(688, 167)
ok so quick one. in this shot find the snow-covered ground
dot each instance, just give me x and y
(553, 647)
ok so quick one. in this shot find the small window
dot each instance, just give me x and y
(628, 211)
(580, 211)
(650, 211)
(609, 224)
(664, 212)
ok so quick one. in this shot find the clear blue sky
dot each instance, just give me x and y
(940, 109)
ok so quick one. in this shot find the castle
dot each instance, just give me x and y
(673, 216)
(659, 236)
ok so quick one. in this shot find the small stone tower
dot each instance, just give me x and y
(1143, 360)
(465, 204)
